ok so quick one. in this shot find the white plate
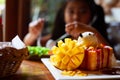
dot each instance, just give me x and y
(57, 73)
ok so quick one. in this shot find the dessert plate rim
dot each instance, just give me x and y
(58, 76)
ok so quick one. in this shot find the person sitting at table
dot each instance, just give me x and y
(82, 11)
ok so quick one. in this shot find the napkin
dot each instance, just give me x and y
(17, 43)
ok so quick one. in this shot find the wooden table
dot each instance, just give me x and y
(31, 70)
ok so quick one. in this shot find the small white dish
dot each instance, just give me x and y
(116, 14)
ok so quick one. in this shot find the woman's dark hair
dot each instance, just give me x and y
(97, 13)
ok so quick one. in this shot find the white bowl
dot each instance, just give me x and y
(116, 13)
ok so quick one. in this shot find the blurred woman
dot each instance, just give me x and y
(80, 11)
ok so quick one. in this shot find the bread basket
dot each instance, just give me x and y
(10, 58)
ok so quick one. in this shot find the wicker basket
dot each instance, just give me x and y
(10, 60)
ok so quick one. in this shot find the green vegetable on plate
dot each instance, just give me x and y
(38, 50)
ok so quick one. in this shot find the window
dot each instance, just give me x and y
(19, 13)
(45, 9)
(2, 7)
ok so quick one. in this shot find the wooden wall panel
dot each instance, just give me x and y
(11, 19)
(23, 17)
(17, 17)
(1, 32)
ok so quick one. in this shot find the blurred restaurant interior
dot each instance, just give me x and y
(15, 15)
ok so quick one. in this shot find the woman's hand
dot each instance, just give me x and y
(35, 27)
(75, 28)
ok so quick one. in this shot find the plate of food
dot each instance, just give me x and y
(57, 73)
(85, 58)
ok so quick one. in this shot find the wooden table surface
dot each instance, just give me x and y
(31, 70)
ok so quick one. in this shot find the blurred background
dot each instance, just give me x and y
(45, 9)
(15, 15)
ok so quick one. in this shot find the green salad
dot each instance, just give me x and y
(38, 50)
